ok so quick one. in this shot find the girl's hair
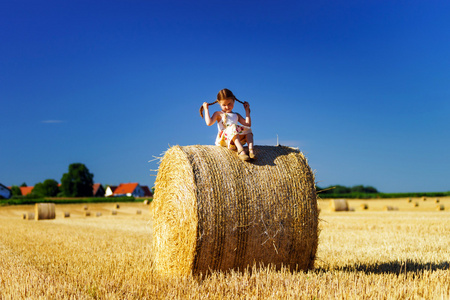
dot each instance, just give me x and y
(222, 95)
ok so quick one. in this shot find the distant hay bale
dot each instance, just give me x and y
(146, 202)
(437, 201)
(351, 209)
(44, 211)
(99, 214)
(28, 216)
(87, 213)
(339, 205)
(66, 214)
(212, 211)
(85, 207)
(364, 206)
(416, 204)
(139, 212)
(410, 200)
(388, 208)
(440, 207)
(114, 212)
(116, 206)
(424, 198)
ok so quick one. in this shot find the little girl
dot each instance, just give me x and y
(231, 134)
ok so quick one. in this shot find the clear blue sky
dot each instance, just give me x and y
(361, 87)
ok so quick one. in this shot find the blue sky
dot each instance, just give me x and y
(362, 88)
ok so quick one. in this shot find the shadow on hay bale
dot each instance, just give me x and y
(212, 211)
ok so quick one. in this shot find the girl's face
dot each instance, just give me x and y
(227, 105)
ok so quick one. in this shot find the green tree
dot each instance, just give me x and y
(15, 191)
(77, 182)
(23, 185)
(48, 188)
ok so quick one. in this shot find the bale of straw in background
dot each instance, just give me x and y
(99, 214)
(416, 204)
(364, 206)
(116, 206)
(85, 207)
(28, 216)
(440, 207)
(114, 212)
(44, 211)
(139, 212)
(87, 213)
(437, 200)
(146, 202)
(212, 211)
(410, 200)
(339, 205)
(66, 214)
(388, 207)
(424, 198)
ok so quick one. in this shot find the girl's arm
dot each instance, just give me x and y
(209, 120)
(247, 121)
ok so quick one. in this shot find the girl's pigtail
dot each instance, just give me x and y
(201, 108)
(238, 100)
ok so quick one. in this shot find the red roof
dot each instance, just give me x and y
(125, 188)
(95, 188)
(26, 190)
(147, 191)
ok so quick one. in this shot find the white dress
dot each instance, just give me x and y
(229, 128)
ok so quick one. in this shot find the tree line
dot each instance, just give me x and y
(77, 182)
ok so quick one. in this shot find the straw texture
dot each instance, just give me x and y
(212, 211)
(44, 211)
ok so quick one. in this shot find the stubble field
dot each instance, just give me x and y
(364, 254)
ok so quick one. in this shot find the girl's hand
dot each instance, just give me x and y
(247, 107)
(205, 106)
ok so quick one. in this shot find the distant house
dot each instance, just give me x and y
(98, 190)
(129, 189)
(147, 191)
(110, 190)
(5, 192)
(25, 190)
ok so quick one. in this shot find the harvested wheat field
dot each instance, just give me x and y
(362, 254)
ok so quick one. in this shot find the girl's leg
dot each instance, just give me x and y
(250, 145)
(240, 149)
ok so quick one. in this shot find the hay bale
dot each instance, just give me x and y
(85, 207)
(339, 205)
(440, 207)
(44, 211)
(87, 213)
(212, 211)
(416, 204)
(437, 200)
(116, 206)
(424, 198)
(66, 214)
(99, 214)
(139, 212)
(364, 206)
(114, 212)
(146, 202)
(28, 216)
(388, 208)
(409, 200)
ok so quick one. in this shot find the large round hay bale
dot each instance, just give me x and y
(212, 211)
(339, 205)
(44, 211)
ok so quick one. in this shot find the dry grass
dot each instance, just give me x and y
(365, 254)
